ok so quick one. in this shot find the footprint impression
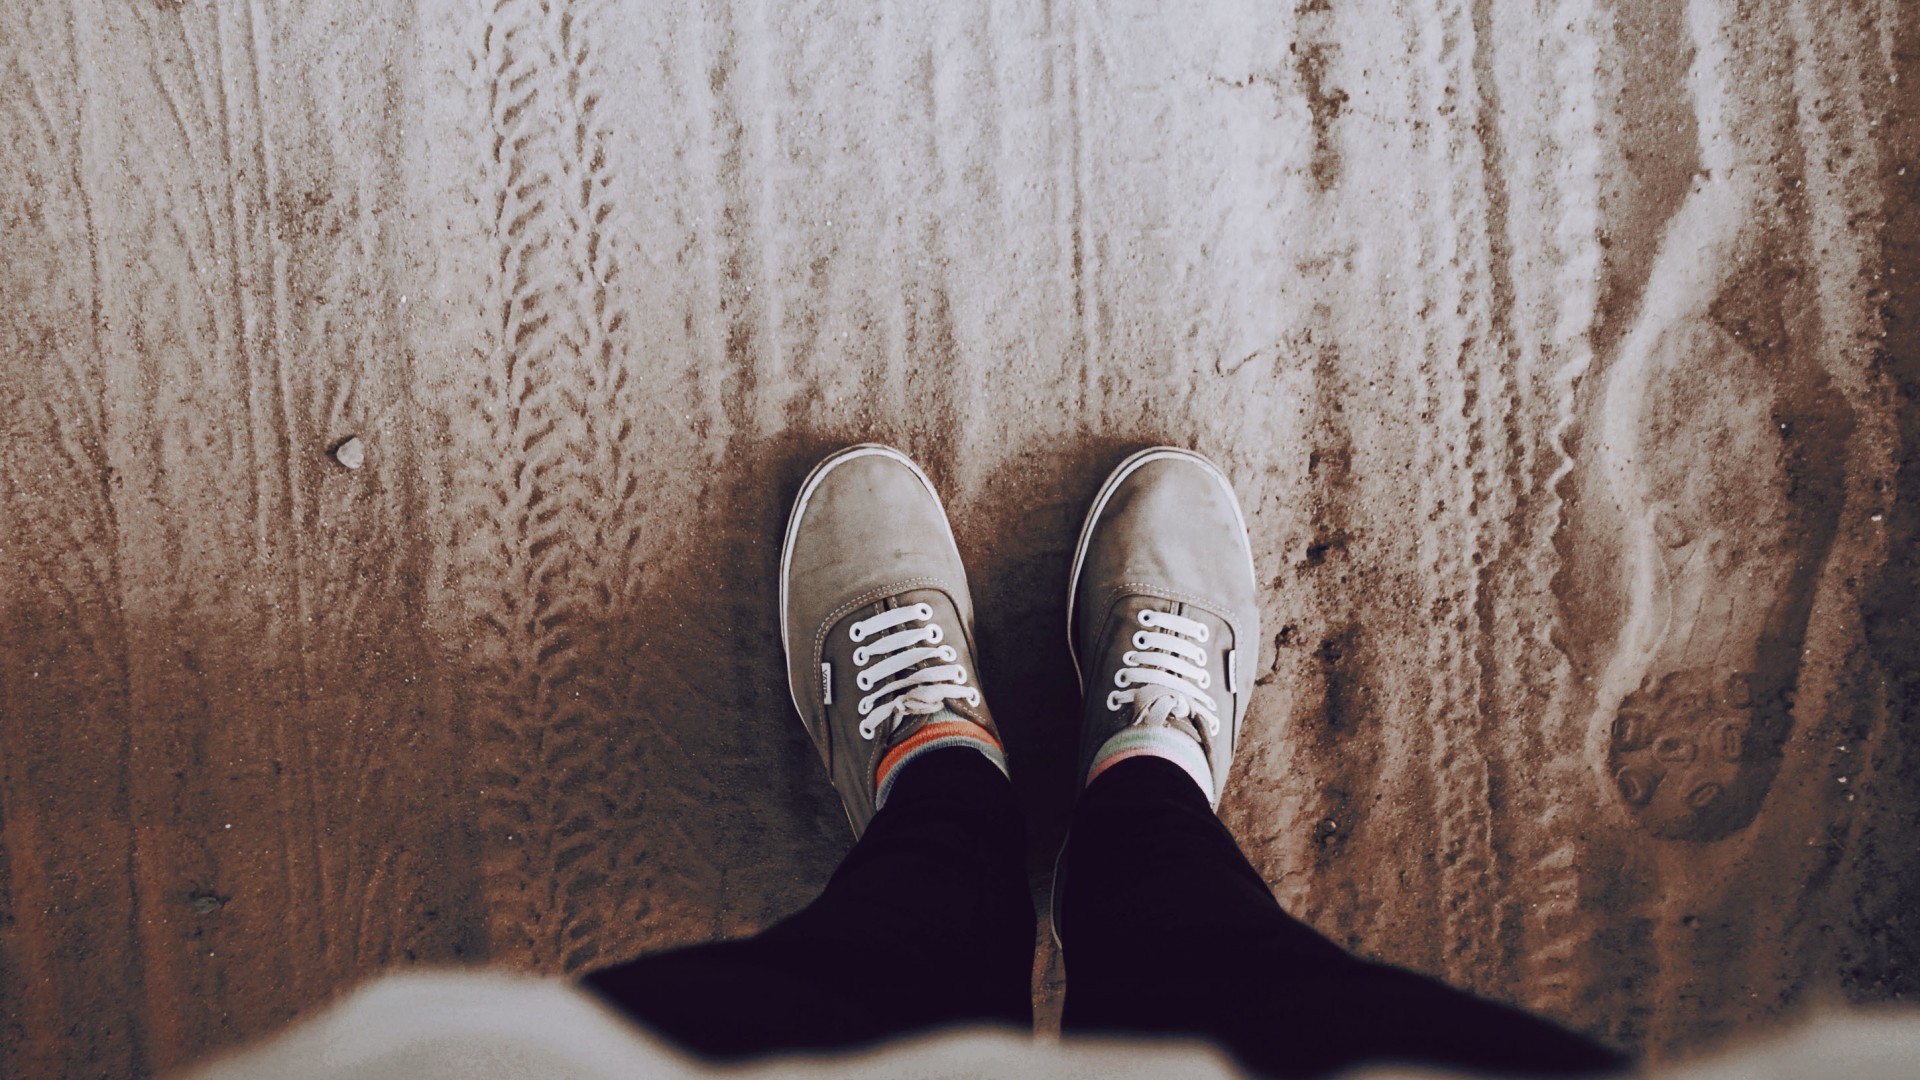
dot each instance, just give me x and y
(1718, 579)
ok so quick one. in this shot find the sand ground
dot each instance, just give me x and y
(1564, 355)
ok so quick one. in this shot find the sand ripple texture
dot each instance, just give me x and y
(1564, 354)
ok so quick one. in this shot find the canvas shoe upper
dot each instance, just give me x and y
(875, 617)
(1163, 619)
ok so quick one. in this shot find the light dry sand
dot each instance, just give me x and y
(1564, 355)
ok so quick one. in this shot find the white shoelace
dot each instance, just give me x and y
(1169, 671)
(920, 690)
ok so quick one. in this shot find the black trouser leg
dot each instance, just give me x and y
(1168, 929)
(927, 922)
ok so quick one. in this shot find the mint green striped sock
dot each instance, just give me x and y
(1155, 741)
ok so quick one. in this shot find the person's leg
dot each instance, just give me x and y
(927, 922)
(1168, 929)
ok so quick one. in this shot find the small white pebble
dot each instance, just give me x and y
(351, 454)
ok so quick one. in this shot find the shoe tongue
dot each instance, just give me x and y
(915, 721)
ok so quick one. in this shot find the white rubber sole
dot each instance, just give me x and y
(807, 488)
(1114, 480)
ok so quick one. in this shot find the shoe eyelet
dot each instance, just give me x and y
(1113, 702)
(938, 634)
(973, 698)
(1139, 639)
(860, 656)
(863, 682)
(1205, 633)
(1130, 658)
(865, 708)
(1206, 681)
(866, 732)
(1122, 679)
(948, 654)
(925, 611)
(1144, 617)
(857, 632)
(960, 676)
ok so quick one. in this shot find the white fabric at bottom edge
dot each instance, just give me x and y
(466, 1025)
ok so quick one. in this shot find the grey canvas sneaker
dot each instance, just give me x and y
(877, 624)
(1162, 617)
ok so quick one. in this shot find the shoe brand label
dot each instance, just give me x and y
(826, 684)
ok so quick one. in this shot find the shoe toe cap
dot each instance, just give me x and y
(1173, 523)
(867, 523)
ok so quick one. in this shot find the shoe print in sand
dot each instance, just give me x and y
(1717, 589)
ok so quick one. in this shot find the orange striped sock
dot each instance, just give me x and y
(946, 729)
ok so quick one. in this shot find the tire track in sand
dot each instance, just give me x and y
(603, 495)
(1627, 156)
(1457, 333)
(549, 550)
(1545, 149)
